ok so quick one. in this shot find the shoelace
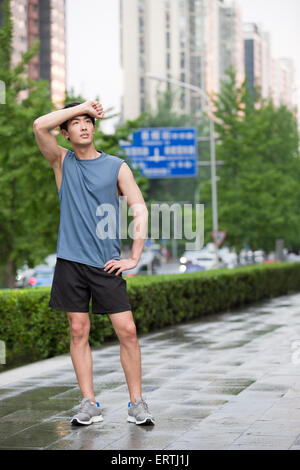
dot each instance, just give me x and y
(144, 405)
(84, 406)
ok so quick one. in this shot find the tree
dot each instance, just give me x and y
(29, 213)
(258, 194)
(29, 207)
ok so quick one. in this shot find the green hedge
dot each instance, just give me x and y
(33, 331)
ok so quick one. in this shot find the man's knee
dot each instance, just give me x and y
(127, 333)
(79, 329)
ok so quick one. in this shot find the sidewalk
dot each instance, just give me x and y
(225, 382)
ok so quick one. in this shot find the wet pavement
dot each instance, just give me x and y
(228, 381)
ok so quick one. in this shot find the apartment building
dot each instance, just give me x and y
(283, 82)
(231, 48)
(195, 41)
(176, 39)
(275, 77)
(45, 20)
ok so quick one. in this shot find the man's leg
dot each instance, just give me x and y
(130, 353)
(81, 353)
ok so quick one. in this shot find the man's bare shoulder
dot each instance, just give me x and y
(63, 153)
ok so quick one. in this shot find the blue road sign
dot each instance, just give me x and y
(164, 152)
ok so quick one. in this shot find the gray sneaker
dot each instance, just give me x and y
(138, 412)
(89, 413)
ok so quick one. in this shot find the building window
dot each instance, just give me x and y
(195, 104)
(142, 45)
(182, 39)
(168, 61)
(192, 5)
(182, 99)
(142, 85)
(168, 40)
(196, 70)
(142, 63)
(141, 24)
(182, 60)
(167, 19)
(141, 6)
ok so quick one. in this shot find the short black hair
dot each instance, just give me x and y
(64, 125)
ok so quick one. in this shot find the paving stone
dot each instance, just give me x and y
(276, 427)
(276, 441)
(226, 381)
(214, 441)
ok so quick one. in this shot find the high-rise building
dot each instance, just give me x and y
(231, 51)
(274, 77)
(266, 65)
(283, 83)
(176, 39)
(194, 41)
(253, 56)
(45, 20)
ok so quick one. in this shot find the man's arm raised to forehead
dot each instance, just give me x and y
(44, 125)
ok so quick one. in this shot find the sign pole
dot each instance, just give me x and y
(202, 93)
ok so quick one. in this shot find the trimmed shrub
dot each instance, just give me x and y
(33, 331)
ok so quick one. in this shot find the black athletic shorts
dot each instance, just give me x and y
(73, 283)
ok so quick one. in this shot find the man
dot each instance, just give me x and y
(88, 262)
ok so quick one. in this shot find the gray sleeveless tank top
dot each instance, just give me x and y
(89, 210)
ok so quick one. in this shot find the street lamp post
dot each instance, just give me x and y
(212, 141)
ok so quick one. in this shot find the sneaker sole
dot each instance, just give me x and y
(94, 419)
(147, 421)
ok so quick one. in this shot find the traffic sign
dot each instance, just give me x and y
(218, 236)
(164, 152)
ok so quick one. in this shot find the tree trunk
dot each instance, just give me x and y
(10, 274)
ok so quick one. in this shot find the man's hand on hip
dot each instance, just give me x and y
(121, 265)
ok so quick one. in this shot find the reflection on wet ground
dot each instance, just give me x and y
(219, 382)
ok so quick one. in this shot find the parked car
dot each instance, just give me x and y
(23, 276)
(24, 273)
(42, 276)
(189, 267)
(229, 258)
(189, 256)
(205, 259)
(292, 258)
(259, 256)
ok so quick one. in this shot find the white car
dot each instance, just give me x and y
(229, 258)
(204, 259)
(190, 256)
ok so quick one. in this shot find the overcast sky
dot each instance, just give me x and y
(93, 51)
(93, 43)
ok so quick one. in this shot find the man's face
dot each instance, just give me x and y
(80, 130)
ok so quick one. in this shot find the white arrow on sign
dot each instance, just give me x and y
(157, 157)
